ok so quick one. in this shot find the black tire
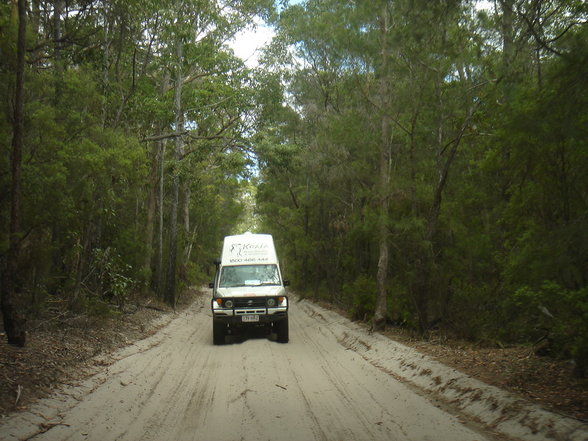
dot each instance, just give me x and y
(218, 333)
(282, 330)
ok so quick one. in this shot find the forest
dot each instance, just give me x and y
(421, 164)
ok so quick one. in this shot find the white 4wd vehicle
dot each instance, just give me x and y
(248, 289)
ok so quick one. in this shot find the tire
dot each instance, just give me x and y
(218, 333)
(282, 330)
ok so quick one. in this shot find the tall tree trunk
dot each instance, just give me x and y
(151, 207)
(158, 284)
(186, 193)
(170, 293)
(157, 280)
(426, 265)
(14, 322)
(384, 179)
(170, 290)
(426, 262)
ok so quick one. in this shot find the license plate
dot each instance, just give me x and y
(250, 318)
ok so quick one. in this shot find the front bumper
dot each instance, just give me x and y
(237, 320)
(249, 315)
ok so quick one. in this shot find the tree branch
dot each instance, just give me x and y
(163, 136)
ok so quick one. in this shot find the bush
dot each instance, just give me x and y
(112, 273)
(554, 313)
(362, 292)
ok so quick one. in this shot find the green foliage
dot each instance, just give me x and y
(89, 180)
(112, 276)
(555, 313)
(488, 185)
(362, 292)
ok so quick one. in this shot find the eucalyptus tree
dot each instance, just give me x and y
(482, 192)
(101, 76)
(535, 159)
(441, 95)
(12, 283)
(309, 156)
(398, 70)
(208, 103)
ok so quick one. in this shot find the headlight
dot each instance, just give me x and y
(271, 303)
(228, 303)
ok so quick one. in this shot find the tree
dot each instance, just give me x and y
(14, 321)
(451, 82)
(89, 186)
(381, 311)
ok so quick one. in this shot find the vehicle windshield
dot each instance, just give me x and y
(249, 275)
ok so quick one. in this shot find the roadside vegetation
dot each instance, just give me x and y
(420, 164)
(429, 170)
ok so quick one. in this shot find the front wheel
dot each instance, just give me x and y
(218, 333)
(282, 330)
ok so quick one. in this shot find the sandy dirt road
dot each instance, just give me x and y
(176, 385)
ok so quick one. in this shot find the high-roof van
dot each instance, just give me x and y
(248, 289)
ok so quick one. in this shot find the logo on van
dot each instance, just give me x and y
(249, 249)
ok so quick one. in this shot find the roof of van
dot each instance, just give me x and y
(248, 248)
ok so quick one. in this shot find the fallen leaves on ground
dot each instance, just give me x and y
(542, 380)
(64, 348)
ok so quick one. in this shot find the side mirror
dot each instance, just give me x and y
(217, 262)
(286, 283)
(211, 285)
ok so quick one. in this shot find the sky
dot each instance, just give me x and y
(247, 43)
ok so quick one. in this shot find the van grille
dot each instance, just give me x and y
(251, 302)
